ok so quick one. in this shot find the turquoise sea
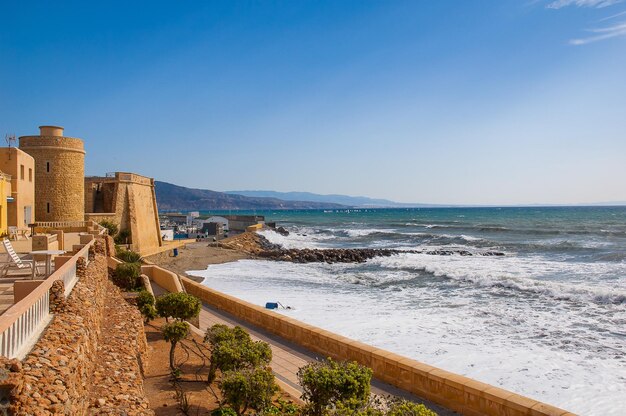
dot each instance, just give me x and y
(547, 320)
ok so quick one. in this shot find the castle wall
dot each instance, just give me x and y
(129, 201)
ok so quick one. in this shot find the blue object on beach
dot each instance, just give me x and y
(271, 305)
(175, 252)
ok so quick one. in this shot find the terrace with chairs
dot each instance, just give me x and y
(27, 261)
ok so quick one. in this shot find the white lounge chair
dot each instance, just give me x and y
(16, 263)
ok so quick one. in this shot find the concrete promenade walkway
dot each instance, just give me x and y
(287, 357)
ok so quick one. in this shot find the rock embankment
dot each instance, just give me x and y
(88, 360)
(331, 255)
(260, 246)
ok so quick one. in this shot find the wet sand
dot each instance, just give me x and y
(196, 256)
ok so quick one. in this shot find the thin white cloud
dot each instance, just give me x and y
(558, 4)
(598, 34)
(612, 17)
(602, 34)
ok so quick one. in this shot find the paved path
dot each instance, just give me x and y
(287, 357)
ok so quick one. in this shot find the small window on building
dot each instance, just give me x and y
(30, 174)
(47, 166)
(48, 207)
(22, 172)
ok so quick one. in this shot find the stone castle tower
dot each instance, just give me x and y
(59, 174)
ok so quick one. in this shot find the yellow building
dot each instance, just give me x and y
(21, 166)
(5, 197)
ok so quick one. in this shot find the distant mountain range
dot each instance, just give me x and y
(351, 201)
(172, 197)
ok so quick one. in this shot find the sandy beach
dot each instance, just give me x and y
(197, 256)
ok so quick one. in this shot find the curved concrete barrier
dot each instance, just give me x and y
(162, 277)
(453, 391)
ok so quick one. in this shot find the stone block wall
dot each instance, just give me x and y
(59, 176)
(88, 360)
(129, 201)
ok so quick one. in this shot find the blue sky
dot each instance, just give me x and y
(487, 102)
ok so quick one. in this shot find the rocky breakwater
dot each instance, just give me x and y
(260, 246)
(330, 255)
(79, 365)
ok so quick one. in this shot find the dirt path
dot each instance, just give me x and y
(158, 385)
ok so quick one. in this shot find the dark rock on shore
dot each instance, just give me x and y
(282, 231)
(347, 255)
(331, 255)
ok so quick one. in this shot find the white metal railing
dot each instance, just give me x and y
(69, 275)
(24, 322)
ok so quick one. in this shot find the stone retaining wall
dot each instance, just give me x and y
(76, 367)
(455, 392)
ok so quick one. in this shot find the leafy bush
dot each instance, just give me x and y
(328, 383)
(128, 256)
(223, 411)
(173, 333)
(122, 237)
(233, 349)
(281, 408)
(342, 410)
(145, 303)
(179, 306)
(379, 406)
(127, 277)
(219, 333)
(406, 408)
(110, 226)
(149, 312)
(248, 388)
(144, 298)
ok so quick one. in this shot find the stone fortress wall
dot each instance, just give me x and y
(128, 200)
(59, 173)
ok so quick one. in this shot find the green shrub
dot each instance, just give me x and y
(233, 349)
(248, 388)
(122, 237)
(179, 306)
(110, 226)
(341, 410)
(145, 303)
(281, 408)
(127, 275)
(219, 333)
(223, 411)
(149, 312)
(173, 333)
(406, 408)
(144, 298)
(382, 407)
(127, 256)
(328, 383)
